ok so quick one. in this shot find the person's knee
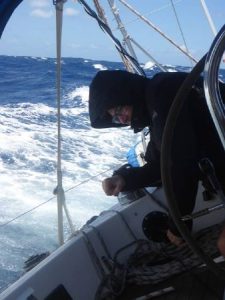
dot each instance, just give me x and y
(221, 243)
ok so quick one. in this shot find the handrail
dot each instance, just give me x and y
(211, 84)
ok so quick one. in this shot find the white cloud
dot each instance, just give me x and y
(41, 13)
(71, 12)
(39, 3)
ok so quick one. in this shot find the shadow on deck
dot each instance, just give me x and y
(200, 284)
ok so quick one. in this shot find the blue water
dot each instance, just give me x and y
(28, 154)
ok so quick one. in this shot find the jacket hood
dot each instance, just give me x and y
(109, 89)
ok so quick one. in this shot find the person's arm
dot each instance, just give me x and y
(139, 177)
(112, 186)
(147, 175)
(129, 178)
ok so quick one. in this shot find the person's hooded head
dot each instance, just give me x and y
(111, 89)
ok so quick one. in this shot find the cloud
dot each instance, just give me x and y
(41, 13)
(42, 9)
(71, 12)
(39, 3)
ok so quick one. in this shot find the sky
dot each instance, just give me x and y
(31, 30)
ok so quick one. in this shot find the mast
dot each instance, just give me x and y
(128, 39)
(122, 28)
(102, 16)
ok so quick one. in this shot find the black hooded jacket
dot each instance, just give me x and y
(115, 88)
(151, 100)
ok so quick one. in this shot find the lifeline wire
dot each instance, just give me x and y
(39, 205)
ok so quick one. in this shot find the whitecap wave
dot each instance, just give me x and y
(149, 65)
(100, 67)
(82, 92)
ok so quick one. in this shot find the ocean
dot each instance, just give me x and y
(28, 154)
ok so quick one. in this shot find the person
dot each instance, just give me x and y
(221, 242)
(118, 98)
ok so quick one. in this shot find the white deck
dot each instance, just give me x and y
(78, 264)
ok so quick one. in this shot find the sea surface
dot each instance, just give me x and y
(28, 154)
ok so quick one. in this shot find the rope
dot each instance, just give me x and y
(104, 246)
(59, 189)
(117, 43)
(102, 16)
(189, 269)
(152, 263)
(93, 255)
(126, 37)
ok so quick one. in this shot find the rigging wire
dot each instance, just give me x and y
(150, 13)
(127, 39)
(208, 16)
(117, 43)
(102, 16)
(163, 69)
(43, 203)
(118, 20)
(157, 29)
(59, 190)
(180, 28)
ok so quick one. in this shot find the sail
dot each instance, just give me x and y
(6, 9)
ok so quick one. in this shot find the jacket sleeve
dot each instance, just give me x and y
(147, 175)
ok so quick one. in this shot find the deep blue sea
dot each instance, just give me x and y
(28, 154)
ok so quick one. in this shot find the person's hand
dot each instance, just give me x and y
(112, 186)
(175, 240)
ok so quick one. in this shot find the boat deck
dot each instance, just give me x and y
(196, 285)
